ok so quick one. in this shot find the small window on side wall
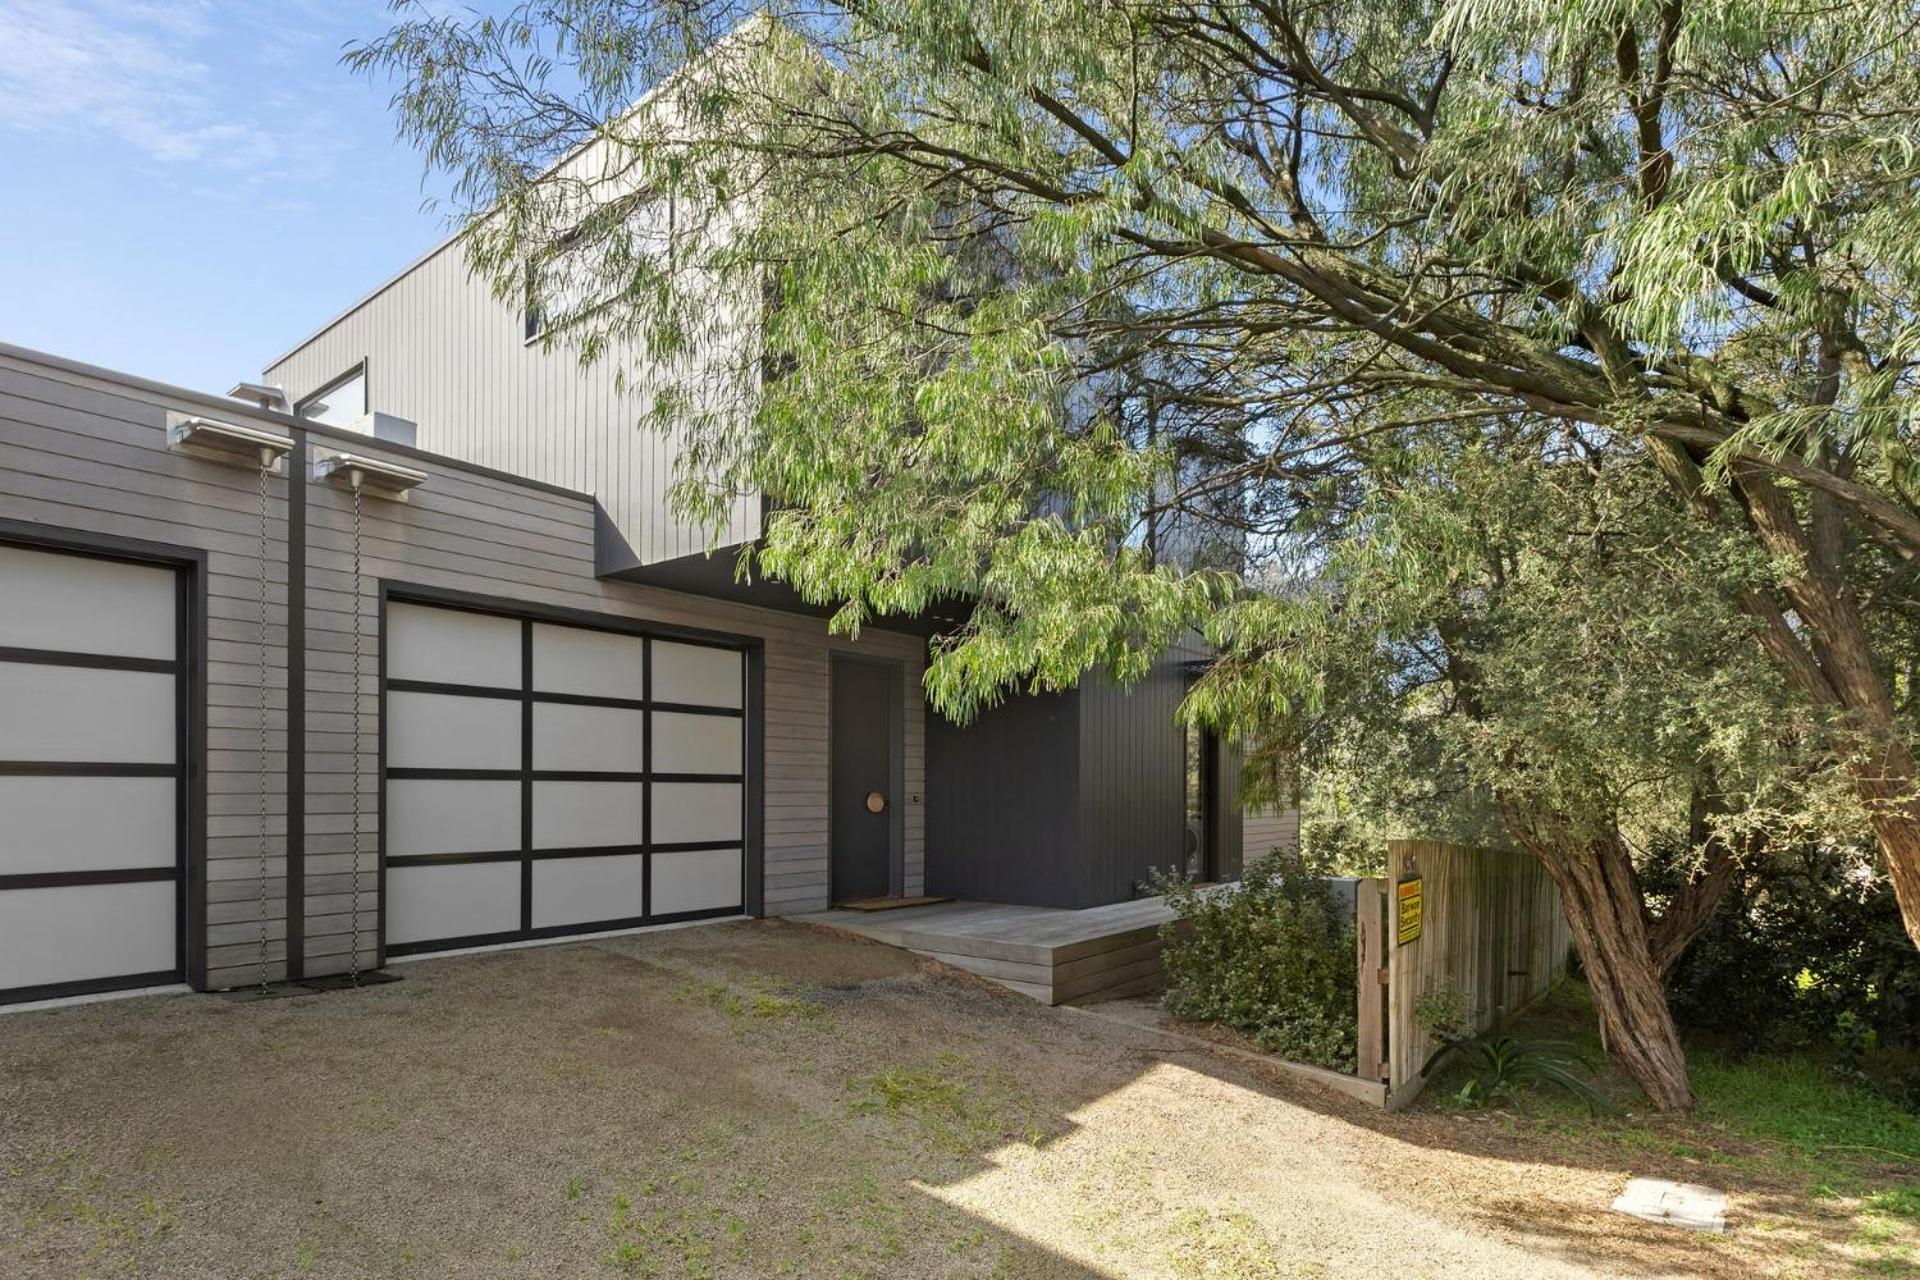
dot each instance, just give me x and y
(341, 402)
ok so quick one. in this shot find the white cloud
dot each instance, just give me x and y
(143, 73)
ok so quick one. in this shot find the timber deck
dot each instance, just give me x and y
(1055, 955)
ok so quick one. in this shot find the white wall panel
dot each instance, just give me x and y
(452, 646)
(443, 731)
(451, 816)
(696, 674)
(603, 664)
(86, 605)
(696, 881)
(425, 903)
(582, 890)
(684, 743)
(565, 736)
(86, 714)
(85, 931)
(569, 815)
(695, 811)
(85, 824)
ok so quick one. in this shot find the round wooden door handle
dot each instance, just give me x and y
(876, 803)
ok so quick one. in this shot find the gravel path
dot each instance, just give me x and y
(741, 1100)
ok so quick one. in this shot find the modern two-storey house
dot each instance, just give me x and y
(402, 649)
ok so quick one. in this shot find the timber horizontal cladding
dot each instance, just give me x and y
(84, 464)
(83, 458)
(732, 703)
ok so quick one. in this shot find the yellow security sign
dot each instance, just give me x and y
(1411, 906)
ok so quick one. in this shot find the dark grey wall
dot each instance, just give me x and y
(1002, 821)
(1132, 782)
(1070, 800)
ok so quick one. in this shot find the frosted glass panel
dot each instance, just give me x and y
(85, 931)
(452, 646)
(84, 605)
(684, 811)
(569, 815)
(605, 738)
(85, 714)
(441, 731)
(603, 664)
(425, 903)
(685, 743)
(86, 824)
(452, 816)
(582, 890)
(696, 674)
(696, 881)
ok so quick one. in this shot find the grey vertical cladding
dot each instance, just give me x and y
(1003, 825)
(1132, 780)
(442, 351)
(85, 449)
(1061, 800)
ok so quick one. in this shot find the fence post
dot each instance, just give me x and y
(1369, 898)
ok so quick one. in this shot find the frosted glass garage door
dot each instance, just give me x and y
(545, 778)
(92, 782)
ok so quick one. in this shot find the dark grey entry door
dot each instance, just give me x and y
(863, 779)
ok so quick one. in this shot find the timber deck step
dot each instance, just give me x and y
(1055, 955)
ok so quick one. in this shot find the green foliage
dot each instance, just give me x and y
(1517, 396)
(1802, 1102)
(1503, 1069)
(1029, 338)
(1272, 956)
(1445, 1013)
(1808, 952)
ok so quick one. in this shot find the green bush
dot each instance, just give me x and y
(1272, 957)
(1808, 951)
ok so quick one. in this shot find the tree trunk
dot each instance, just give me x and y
(1606, 909)
(1604, 906)
(1694, 906)
(1886, 785)
(1830, 658)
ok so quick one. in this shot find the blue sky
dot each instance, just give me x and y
(189, 187)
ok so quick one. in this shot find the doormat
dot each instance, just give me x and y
(889, 904)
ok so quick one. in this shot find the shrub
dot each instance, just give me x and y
(1503, 1069)
(1807, 952)
(1272, 956)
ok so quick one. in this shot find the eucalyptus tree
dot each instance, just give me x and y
(1024, 284)
(1526, 644)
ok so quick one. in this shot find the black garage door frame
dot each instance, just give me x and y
(752, 779)
(190, 758)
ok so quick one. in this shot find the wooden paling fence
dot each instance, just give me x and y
(1482, 922)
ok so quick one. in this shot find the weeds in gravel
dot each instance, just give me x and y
(754, 996)
(1222, 1246)
(77, 1199)
(958, 1107)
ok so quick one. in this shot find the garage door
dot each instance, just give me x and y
(545, 779)
(92, 784)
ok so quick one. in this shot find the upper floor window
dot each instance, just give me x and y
(341, 402)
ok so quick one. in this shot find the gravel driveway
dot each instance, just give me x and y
(735, 1100)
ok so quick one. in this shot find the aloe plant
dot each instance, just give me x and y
(1504, 1067)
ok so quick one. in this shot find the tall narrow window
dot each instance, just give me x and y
(341, 402)
(1195, 852)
